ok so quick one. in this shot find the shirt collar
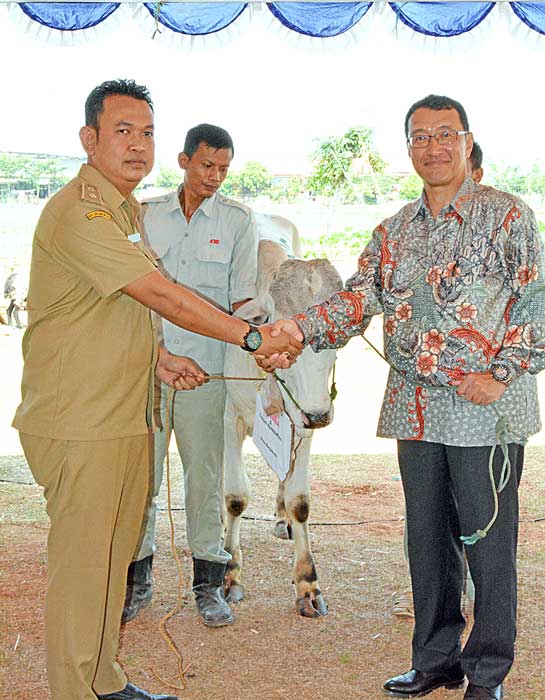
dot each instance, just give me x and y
(461, 201)
(207, 206)
(108, 191)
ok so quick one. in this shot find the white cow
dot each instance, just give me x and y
(285, 287)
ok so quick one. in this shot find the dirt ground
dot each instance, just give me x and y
(270, 653)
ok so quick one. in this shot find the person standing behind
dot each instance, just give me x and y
(459, 275)
(90, 355)
(205, 241)
(475, 163)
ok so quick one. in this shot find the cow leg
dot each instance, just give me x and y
(282, 528)
(236, 497)
(309, 599)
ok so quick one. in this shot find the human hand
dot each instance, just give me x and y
(180, 373)
(277, 361)
(278, 339)
(288, 326)
(480, 388)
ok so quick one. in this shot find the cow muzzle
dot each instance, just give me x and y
(318, 420)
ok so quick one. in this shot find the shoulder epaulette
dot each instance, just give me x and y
(90, 193)
(222, 199)
(157, 199)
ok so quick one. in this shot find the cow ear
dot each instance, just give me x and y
(256, 310)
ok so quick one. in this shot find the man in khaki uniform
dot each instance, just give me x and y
(85, 414)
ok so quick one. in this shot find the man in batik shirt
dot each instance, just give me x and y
(458, 275)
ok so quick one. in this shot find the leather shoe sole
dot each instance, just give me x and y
(477, 692)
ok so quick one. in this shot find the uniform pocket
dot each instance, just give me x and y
(213, 266)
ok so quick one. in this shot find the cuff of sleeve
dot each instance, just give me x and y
(241, 293)
(306, 327)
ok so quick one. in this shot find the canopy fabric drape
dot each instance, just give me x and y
(313, 19)
(68, 16)
(196, 18)
(441, 19)
(319, 19)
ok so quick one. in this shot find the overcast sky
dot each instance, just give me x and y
(276, 96)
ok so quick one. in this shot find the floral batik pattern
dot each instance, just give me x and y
(459, 293)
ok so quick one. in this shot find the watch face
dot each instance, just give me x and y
(254, 339)
(501, 373)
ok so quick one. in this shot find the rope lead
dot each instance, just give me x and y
(503, 438)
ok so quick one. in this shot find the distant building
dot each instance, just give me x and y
(23, 184)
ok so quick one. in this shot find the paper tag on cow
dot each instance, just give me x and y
(273, 437)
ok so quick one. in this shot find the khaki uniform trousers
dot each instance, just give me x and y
(96, 493)
(197, 420)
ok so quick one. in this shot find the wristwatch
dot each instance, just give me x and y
(252, 340)
(502, 373)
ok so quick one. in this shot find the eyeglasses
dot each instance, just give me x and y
(445, 137)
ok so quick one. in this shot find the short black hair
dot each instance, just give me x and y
(437, 102)
(476, 157)
(213, 136)
(94, 104)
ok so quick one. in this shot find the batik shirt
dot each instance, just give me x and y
(459, 293)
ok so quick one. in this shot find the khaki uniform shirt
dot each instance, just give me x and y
(89, 349)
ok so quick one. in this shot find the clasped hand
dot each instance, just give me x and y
(282, 344)
(480, 388)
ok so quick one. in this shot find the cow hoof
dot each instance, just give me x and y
(282, 530)
(235, 594)
(311, 608)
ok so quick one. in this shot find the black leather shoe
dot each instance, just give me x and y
(479, 692)
(131, 692)
(416, 684)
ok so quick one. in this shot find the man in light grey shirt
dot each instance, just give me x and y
(207, 242)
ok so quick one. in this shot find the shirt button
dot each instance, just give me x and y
(184, 262)
(186, 235)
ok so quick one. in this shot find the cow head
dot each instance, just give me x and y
(294, 286)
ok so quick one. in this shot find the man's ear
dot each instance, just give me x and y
(469, 144)
(183, 160)
(88, 137)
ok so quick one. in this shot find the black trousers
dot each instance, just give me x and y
(448, 493)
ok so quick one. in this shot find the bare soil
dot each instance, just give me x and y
(270, 652)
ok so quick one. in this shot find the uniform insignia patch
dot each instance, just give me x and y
(214, 241)
(101, 214)
(90, 193)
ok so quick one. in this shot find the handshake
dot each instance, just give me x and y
(281, 344)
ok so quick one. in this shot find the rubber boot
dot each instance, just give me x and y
(139, 588)
(208, 589)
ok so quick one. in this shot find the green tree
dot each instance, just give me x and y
(231, 186)
(45, 171)
(410, 187)
(254, 179)
(509, 179)
(340, 161)
(12, 166)
(167, 177)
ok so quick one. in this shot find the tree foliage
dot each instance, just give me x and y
(254, 179)
(167, 177)
(410, 187)
(341, 162)
(28, 173)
